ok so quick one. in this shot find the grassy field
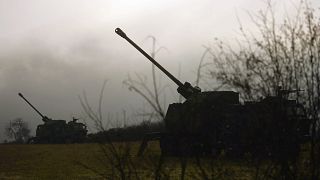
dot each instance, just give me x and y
(71, 161)
(89, 161)
(47, 161)
(60, 161)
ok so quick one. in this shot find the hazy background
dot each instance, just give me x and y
(52, 51)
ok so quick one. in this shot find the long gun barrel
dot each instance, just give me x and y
(44, 118)
(186, 90)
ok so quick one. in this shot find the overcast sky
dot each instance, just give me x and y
(52, 51)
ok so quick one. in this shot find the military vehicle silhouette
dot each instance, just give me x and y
(57, 131)
(210, 122)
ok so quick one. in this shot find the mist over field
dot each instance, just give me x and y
(53, 51)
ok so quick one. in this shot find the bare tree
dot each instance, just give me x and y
(150, 94)
(283, 55)
(18, 130)
(95, 116)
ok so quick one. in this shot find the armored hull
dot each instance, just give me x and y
(211, 122)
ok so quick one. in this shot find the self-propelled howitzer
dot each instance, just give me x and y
(57, 131)
(214, 121)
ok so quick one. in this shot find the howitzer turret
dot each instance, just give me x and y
(57, 131)
(214, 121)
(186, 90)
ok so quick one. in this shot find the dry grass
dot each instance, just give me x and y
(79, 161)
(47, 161)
